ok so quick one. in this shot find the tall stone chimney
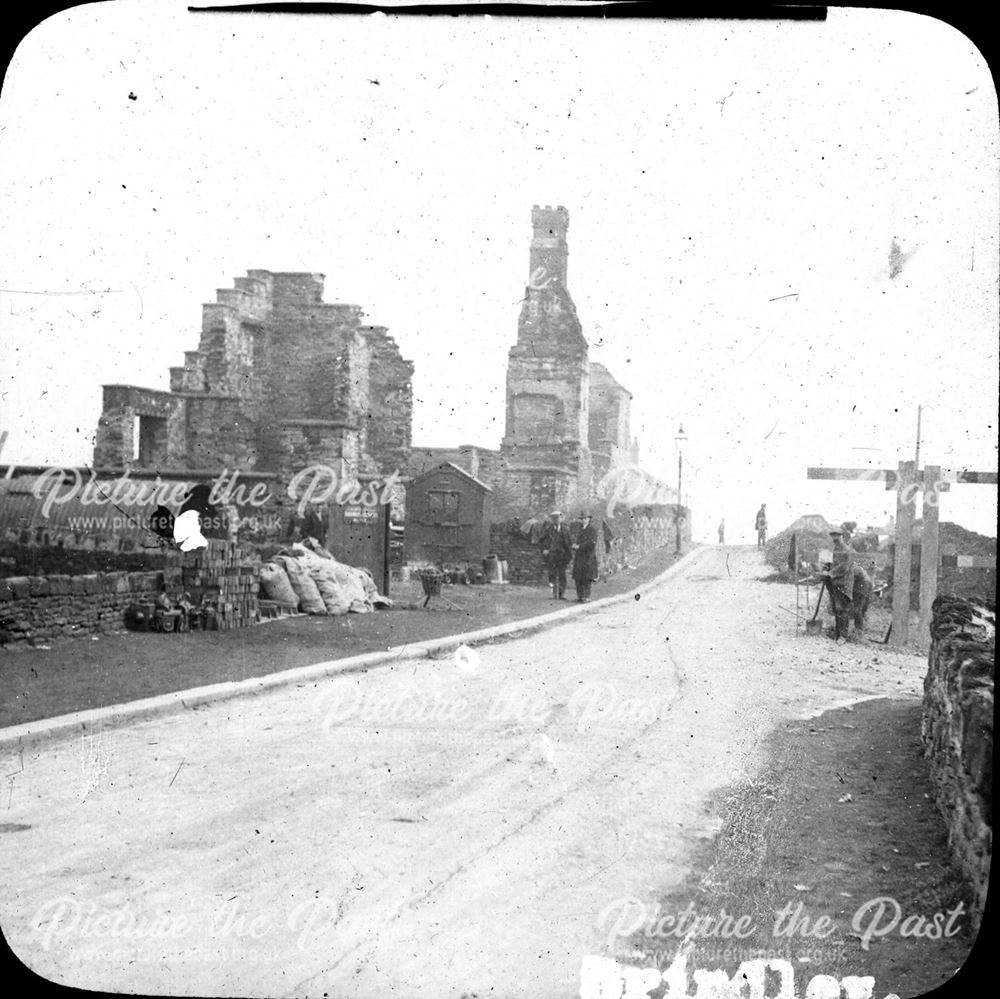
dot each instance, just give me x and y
(549, 249)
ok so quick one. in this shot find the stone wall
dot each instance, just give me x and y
(37, 609)
(387, 420)
(642, 530)
(522, 554)
(957, 731)
(634, 534)
(44, 560)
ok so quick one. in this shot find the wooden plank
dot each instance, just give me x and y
(901, 569)
(964, 475)
(976, 561)
(856, 474)
(928, 557)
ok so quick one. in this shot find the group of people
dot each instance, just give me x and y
(561, 546)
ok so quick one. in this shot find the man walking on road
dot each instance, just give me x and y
(722, 531)
(557, 550)
(760, 524)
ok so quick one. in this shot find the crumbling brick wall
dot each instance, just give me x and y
(957, 730)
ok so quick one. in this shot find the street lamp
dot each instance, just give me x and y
(679, 440)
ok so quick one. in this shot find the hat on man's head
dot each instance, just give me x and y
(556, 513)
(836, 534)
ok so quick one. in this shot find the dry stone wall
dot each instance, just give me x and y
(957, 730)
(37, 609)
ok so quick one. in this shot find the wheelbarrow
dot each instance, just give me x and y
(431, 580)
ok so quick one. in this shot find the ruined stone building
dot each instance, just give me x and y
(567, 418)
(280, 380)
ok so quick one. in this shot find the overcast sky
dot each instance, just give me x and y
(734, 190)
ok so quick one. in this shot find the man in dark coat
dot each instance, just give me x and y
(850, 586)
(760, 525)
(557, 550)
(585, 559)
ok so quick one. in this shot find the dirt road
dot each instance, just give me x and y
(453, 828)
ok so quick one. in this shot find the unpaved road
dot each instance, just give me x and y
(442, 829)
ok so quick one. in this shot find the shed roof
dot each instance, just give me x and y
(456, 468)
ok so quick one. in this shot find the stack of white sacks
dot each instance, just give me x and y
(312, 580)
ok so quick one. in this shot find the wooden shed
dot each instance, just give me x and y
(448, 515)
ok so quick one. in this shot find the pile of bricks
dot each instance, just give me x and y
(224, 577)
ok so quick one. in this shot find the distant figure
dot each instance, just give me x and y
(609, 536)
(761, 525)
(585, 559)
(557, 550)
(722, 531)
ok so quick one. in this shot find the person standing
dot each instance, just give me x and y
(722, 531)
(760, 524)
(585, 559)
(557, 550)
(841, 583)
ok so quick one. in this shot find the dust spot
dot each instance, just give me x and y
(897, 258)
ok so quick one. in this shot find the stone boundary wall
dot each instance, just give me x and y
(957, 730)
(636, 533)
(39, 608)
(49, 560)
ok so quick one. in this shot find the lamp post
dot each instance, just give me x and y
(679, 439)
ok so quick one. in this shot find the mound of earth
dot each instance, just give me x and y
(965, 542)
(812, 534)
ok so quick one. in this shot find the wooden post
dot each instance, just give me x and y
(907, 481)
(905, 505)
(929, 548)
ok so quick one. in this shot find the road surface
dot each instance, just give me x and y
(460, 827)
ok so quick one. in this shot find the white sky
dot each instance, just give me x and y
(708, 168)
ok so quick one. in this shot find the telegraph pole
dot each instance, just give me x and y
(680, 438)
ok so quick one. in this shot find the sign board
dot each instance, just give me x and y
(359, 512)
